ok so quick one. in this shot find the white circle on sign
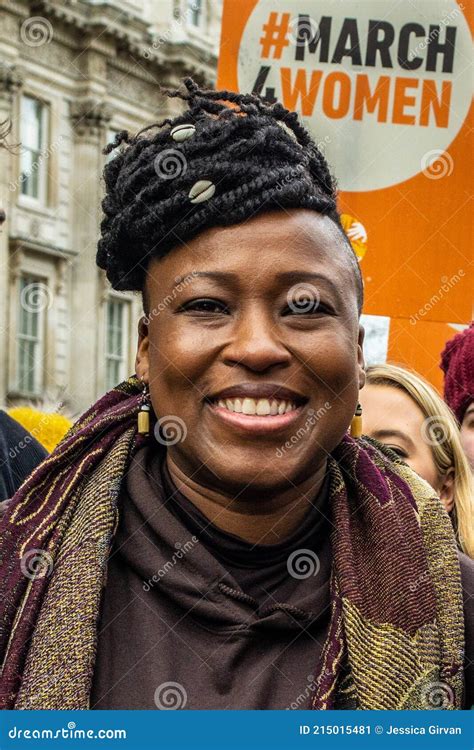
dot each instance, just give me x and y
(378, 150)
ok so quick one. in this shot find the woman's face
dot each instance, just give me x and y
(391, 416)
(245, 320)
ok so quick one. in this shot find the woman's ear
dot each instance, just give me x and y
(360, 357)
(446, 492)
(142, 357)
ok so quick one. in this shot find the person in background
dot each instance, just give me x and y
(20, 453)
(403, 411)
(49, 428)
(457, 363)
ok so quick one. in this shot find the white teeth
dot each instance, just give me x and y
(249, 406)
(261, 407)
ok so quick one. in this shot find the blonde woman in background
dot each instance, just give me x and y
(403, 411)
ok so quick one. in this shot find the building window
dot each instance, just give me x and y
(195, 12)
(33, 137)
(33, 302)
(116, 354)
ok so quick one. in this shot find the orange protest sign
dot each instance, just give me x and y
(386, 93)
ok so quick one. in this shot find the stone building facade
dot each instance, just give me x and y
(71, 75)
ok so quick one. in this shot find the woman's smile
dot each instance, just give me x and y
(257, 417)
(257, 408)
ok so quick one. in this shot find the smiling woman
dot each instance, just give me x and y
(235, 547)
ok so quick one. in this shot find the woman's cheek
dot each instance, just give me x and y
(334, 366)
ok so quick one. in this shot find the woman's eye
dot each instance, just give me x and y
(204, 305)
(399, 451)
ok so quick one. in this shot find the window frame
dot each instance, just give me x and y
(110, 356)
(42, 197)
(24, 280)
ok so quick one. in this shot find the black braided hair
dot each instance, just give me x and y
(258, 155)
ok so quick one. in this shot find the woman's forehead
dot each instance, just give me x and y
(273, 244)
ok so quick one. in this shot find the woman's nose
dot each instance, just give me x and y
(256, 344)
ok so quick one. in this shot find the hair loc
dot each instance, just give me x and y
(122, 137)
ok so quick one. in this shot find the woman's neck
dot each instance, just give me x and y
(266, 520)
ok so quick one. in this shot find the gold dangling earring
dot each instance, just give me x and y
(143, 418)
(356, 423)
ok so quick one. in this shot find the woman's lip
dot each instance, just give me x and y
(254, 424)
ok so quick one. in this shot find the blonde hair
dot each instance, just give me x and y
(441, 431)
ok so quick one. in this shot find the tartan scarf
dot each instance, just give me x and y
(396, 633)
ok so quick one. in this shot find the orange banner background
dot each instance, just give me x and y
(419, 232)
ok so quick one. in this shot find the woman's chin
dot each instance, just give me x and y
(262, 472)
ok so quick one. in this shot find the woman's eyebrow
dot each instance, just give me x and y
(295, 276)
(226, 278)
(387, 434)
(231, 280)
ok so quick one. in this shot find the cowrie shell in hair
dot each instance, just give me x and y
(182, 132)
(201, 191)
